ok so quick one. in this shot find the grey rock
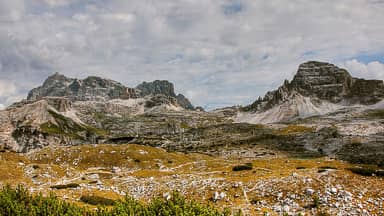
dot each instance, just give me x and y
(167, 92)
(184, 102)
(91, 88)
(156, 87)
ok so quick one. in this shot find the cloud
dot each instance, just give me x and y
(11, 10)
(7, 88)
(9, 93)
(220, 51)
(371, 70)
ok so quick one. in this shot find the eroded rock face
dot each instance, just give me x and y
(322, 80)
(156, 87)
(184, 102)
(366, 91)
(91, 88)
(327, 82)
(166, 89)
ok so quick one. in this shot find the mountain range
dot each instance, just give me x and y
(323, 110)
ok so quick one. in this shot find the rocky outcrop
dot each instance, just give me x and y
(323, 81)
(166, 89)
(156, 87)
(184, 102)
(328, 82)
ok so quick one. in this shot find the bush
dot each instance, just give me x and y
(247, 166)
(19, 202)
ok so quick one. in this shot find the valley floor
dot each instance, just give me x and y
(274, 184)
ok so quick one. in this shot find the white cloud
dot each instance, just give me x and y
(231, 51)
(7, 88)
(372, 70)
(8, 93)
(11, 10)
(59, 3)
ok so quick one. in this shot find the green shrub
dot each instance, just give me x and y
(19, 202)
(316, 202)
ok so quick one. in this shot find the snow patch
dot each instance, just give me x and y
(379, 105)
(296, 106)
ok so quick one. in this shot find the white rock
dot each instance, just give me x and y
(309, 191)
(116, 169)
(218, 196)
(333, 190)
(167, 196)
(286, 208)
(94, 176)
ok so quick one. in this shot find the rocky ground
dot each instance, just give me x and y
(272, 184)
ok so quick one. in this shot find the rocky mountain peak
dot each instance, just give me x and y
(56, 77)
(163, 87)
(316, 84)
(95, 88)
(322, 80)
(91, 88)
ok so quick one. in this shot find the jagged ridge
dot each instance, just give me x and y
(98, 89)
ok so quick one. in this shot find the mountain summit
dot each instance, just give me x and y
(95, 88)
(317, 88)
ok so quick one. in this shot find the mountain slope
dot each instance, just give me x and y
(67, 111)
(317, 88)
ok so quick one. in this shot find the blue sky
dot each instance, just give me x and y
(217, 52)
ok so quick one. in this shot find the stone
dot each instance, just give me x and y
(218, 196)
(116, 169)
(334, 190)
(309, 191)
(94, 176)
(167, 196)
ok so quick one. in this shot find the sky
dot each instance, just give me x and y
(216, 52)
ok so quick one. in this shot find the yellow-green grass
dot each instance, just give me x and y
(144, 162)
